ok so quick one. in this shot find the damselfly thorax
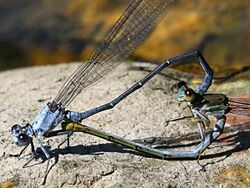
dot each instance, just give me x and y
(213, 104)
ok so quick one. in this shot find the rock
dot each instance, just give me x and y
(237, 176)
(93, 162)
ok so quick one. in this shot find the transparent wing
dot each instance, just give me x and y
(137, 22)
(239, 106)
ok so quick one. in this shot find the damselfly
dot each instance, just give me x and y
(136, 23)
(132, 28)
(202, 108)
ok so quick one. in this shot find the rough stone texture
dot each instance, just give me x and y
(93, 162)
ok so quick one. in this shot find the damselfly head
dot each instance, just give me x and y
(185, 93)
(20, 136)
(181, 84)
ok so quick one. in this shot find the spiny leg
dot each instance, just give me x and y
(178, 119)
(48, 157)
(201, 128)
(33, 151)
(200, 125)
(46, 172)
(61, 132)
(35, 155)
(52, 134)
(183, 117)
(202, 120)
(19, 154)
(201, 89)
(69, 134)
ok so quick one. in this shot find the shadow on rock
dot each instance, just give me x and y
(238, 136)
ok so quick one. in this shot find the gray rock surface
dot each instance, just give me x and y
(143, 116)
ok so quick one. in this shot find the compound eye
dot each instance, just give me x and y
(16, 129)
(188, 92)
(181, 83)
(23, 139)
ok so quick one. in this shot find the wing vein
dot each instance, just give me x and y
(133, 27)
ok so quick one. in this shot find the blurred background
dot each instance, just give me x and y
(58, 31)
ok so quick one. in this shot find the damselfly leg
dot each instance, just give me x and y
(59, 133)
(201, 124)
